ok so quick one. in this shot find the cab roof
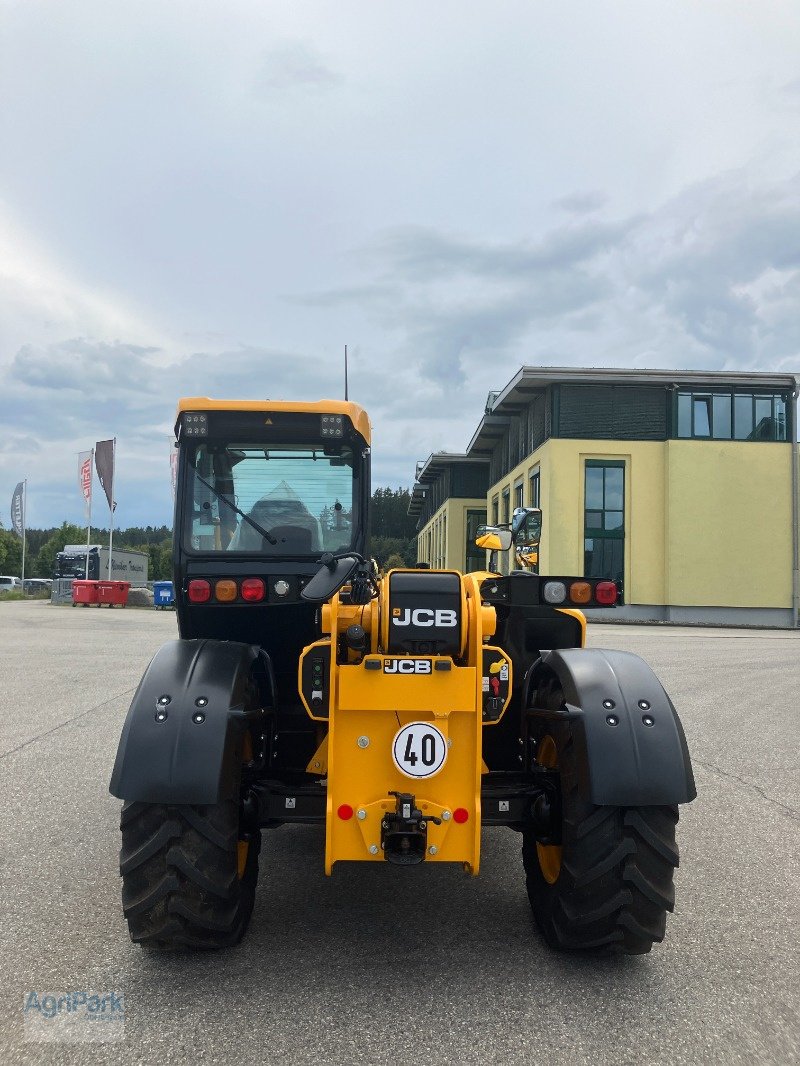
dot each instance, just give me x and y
(357, 415)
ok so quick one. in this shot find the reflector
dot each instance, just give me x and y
(345, 811)
(554, 592)
(605, 592)
(460, 815)
(225, 591)
(253, 589)
(199, 591)
(580, 592)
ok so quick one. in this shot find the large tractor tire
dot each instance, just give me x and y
(609, 884)
(188, 874)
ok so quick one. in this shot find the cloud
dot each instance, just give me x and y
(293, 65)
(681, 286)
(708, 280)
(582, 203)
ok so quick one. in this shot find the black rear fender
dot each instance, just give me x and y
(630, 742)
(182, 738)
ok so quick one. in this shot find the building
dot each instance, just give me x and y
(449, 500)
(681, 485)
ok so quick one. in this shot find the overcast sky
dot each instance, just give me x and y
(212, 198)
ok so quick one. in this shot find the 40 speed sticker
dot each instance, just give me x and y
(419, 750)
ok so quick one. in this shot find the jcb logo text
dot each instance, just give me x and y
(422, 616)
(406, 666)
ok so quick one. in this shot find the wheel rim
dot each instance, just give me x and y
(549, 855)
(243, 846)
(242, 853)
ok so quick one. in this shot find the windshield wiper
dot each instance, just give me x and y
(250, 521)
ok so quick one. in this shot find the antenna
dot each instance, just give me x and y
(345, 371)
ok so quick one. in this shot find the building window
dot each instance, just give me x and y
(518, 493)
(534, 489)
(506, 507)
(604, 520)
(495, 511)
(475, 556)
(731, 415)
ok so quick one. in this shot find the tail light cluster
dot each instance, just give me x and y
(225, 590)
(580, 593)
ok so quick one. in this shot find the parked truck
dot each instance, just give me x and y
(125, 565)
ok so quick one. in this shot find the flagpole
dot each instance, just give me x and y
(111, 508)
(89, 519)
(24, 528)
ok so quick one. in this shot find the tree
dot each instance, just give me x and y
(10, 553)
(45, 561)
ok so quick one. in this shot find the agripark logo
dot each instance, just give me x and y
(74, 1017)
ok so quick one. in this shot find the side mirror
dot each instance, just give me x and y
(329, 579)
(527, 527)
(494, 539)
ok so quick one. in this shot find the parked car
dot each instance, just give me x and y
(33, 585)
(10, 584)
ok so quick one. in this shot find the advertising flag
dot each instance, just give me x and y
(85, 480)
(104, 462)
(18, 510)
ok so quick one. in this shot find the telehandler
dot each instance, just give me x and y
(405, 712)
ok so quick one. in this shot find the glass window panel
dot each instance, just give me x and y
(702, 416)
(764, 427)
(613, 520)
(615, 480)
(588, 544)
(518, 495)
(594, 487)
(594, 519)
(780, 418)
(742, 416)
(684, 415)
(722, 417)
(534, 490)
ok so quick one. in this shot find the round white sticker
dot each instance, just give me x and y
(419, 750)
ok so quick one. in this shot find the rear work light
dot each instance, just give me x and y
(253, 589)
(332, 426)
(199, 591)
(195, 424)
(226, 590)
(605, 592)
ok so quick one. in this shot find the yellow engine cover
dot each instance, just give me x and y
(374, 748)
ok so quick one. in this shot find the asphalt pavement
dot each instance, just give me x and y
(380, 965)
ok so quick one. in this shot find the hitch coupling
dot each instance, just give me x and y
(404, 833)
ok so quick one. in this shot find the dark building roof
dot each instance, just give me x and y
(501, 406)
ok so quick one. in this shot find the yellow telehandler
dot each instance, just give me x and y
(405, 712)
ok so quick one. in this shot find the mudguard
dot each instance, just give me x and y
(630, 742)
(181, 741)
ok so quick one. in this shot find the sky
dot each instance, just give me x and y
(213, 198)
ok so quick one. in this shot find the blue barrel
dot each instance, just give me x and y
(163, 594)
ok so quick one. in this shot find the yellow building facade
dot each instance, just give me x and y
(699, 524)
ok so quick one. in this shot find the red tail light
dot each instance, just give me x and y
(605, 592)
(199, 591)
(253, 589)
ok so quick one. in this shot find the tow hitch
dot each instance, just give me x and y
(404, 833)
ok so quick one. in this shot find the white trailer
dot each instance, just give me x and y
(125, 565)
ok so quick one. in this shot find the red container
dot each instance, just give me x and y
(114, 593)
(84, 592)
